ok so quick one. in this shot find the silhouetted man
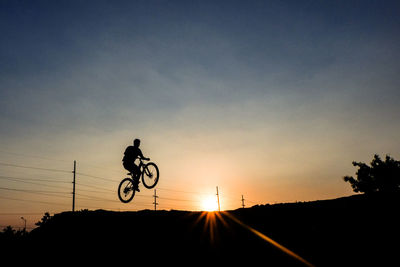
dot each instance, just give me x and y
(130, 155)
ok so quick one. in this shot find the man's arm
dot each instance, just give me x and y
(141, 155)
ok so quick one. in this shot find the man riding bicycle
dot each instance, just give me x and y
(130, 155)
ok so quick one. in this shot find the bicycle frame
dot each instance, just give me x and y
(141, 167)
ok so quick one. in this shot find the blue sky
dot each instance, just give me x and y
(298, 89)
(97, 58)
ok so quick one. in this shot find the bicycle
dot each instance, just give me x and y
(149, 174)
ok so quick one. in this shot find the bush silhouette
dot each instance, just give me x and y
(46, 217)
(381, 176)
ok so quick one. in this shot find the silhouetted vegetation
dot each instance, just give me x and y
(350, 231)
(380, 176)
(11, 235)
(46, 218)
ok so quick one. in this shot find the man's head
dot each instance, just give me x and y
(136, 142)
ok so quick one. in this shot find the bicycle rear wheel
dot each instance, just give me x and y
(126, 191)
(150, 175)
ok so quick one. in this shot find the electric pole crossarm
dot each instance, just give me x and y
(155, 200)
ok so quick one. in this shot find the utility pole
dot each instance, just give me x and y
(219, 208)
(242, 202)
(155, 200)
(73, 190)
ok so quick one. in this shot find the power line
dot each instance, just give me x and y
(32, 191)
(37, 192)
(99, 167)
(27, 182)
(53, 159)
(176, 199)
(88, 197)
(94, 191)
(34, 168)
(180, 191)
(34, 201)
(100, 190)
(21, 213)
(96, 187)
(31, 156)
(97, 177)
(32, 179)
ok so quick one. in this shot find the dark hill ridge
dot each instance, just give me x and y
(349, 231)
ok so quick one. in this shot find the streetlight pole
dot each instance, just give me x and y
(22, 218)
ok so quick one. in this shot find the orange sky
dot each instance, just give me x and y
(190, 169)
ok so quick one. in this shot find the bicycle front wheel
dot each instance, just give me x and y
(150, 175)
(126, 191)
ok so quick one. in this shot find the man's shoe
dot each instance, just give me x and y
(137, 188)
(136, 183)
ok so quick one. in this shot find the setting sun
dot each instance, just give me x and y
(209, 204)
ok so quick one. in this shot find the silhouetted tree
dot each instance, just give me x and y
(381, 176)
(8, 232)
(46, 217)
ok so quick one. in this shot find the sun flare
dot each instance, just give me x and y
(209, 204)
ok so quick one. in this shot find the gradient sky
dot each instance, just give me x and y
(269, 99)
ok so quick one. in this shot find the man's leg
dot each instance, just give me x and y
(132, 168)
(136, 177)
